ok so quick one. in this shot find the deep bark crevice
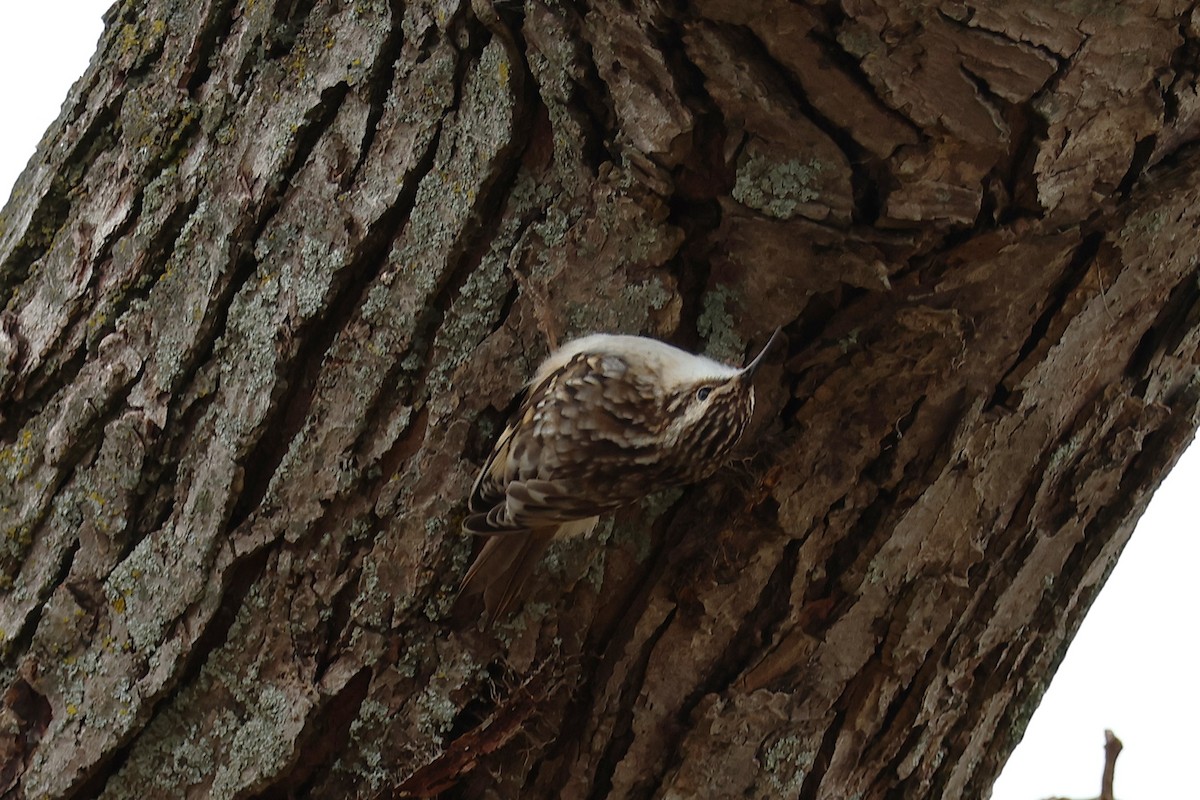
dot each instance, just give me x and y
(1176, 319)
(760, 625)
(622, 735)
(54, 208)
(212, 31)
(810, 789)
(1037, 339)
(322, 740)
(379, 85)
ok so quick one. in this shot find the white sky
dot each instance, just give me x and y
(1133, 667)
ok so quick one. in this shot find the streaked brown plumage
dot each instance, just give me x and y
(606, 421)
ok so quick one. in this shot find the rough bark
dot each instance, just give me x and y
(276, 272)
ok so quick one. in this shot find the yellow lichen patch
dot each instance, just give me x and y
(128, 38)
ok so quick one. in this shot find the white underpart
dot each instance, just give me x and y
(580, 527)
(674, 367)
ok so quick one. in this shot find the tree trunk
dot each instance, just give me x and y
(277, 271)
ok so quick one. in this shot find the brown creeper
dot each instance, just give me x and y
(605, 421)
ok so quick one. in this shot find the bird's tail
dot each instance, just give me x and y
(501, 570)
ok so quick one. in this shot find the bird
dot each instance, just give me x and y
(606, 420)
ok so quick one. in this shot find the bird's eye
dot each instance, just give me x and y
(703, 392)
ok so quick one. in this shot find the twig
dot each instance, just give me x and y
(1112, 749)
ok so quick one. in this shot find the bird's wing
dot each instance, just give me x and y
(504, 465)
(580, 444)
(488, 489)
(535, 504)
(532, 477)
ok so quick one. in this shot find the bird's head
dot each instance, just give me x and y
(709, 405)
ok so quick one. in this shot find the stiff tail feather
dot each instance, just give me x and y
(502, 569)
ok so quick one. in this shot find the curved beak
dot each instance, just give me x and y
(749, 370)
